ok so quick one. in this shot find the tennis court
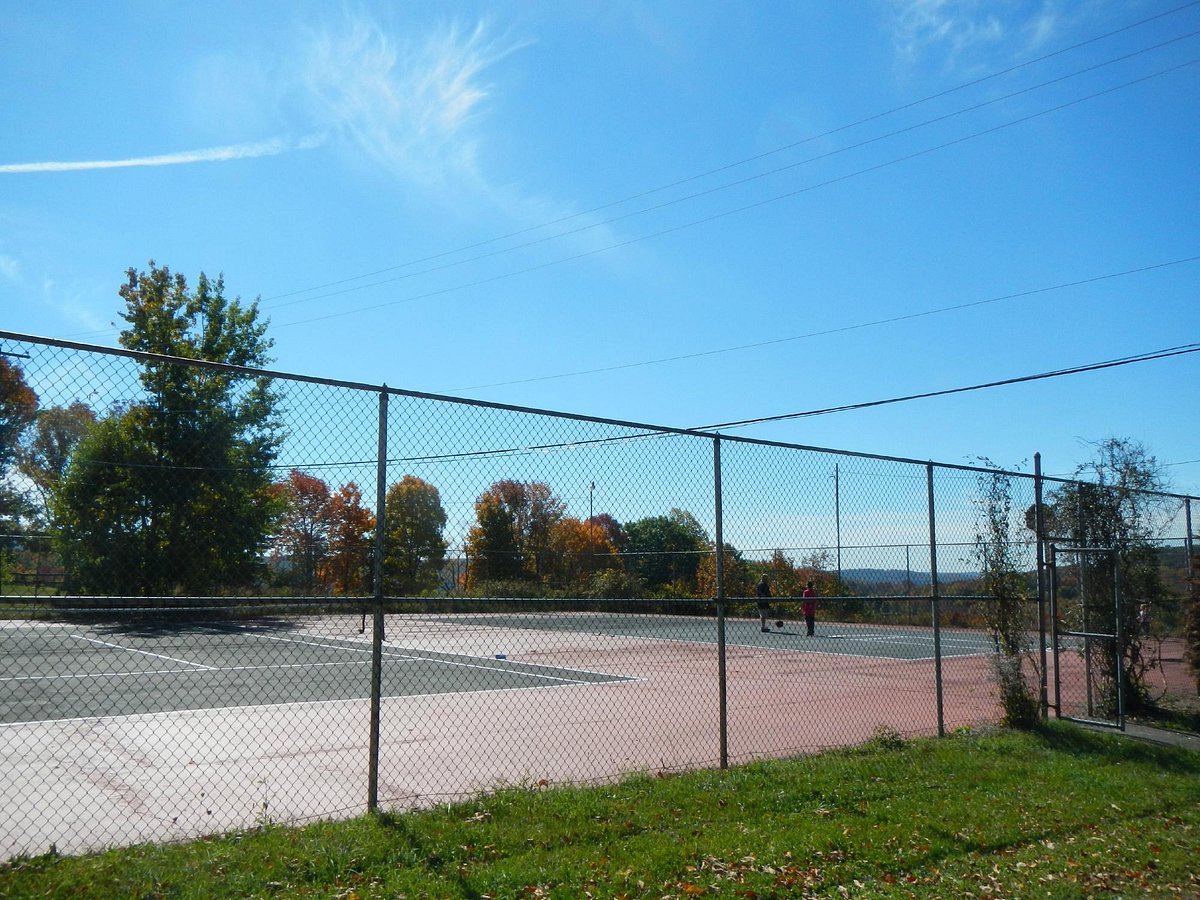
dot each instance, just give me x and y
(841, 639)
(155, 728)
(72, 671)
(62, 671)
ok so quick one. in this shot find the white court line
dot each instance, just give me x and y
(819, 647)
(175, 713)
(508, 670)
(354, 647)
(186, 662)
(446, 662)
(910, 641)
(170, 672)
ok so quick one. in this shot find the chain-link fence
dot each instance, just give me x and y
(233, 596)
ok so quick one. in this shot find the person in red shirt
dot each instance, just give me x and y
(808, 605)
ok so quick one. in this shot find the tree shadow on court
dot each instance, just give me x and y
(156, 627)
(182, 620)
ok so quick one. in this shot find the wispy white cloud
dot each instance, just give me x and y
(272, 147)
(952, 26)
(10, 268)
(75, 303)
(408, 106)
(1043, 27)
(960, 30)
(72, 302)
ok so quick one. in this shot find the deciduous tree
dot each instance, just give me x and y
(735, 574)
(302, 533)
(350, 524)
(665, 551)
(786, 580)
(104, 511)
(414, 548)
(47, 447)
(1114, 506)
(493, 544)
(579, 549)
(18, 407)
(180, 477)
(515, 521)
(612, 530)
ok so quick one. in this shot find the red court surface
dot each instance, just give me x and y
(89, 782)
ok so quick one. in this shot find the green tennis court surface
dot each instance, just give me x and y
(69, 671)
(843, 639)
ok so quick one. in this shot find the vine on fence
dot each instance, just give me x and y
(1004, 584)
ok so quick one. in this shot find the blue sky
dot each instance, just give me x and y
(677, 213)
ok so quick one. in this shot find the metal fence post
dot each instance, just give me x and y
(1054, 639)
(1187, 535)
(935, 610)
(1118, 637)
(1039, 528)
(377, 633)
(722, 686)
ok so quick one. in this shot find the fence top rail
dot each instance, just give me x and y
(649, 429)
(248, 372)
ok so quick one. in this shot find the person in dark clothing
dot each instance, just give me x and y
(763, 592)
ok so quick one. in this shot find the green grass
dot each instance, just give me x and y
(1059, 812)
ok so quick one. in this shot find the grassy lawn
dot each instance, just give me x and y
(1061, 812)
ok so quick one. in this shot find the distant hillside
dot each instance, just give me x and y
(1173, 564)
(1173, 567)
(900, 576)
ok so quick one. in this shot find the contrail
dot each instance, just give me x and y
(209, 154)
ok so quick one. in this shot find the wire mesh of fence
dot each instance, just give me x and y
(233, 596)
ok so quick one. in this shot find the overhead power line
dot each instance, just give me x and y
(1058, 373)
(551, 263)
(745, 161)
(741, 182)
(838, 330)
(749, 206)
(653, 432)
